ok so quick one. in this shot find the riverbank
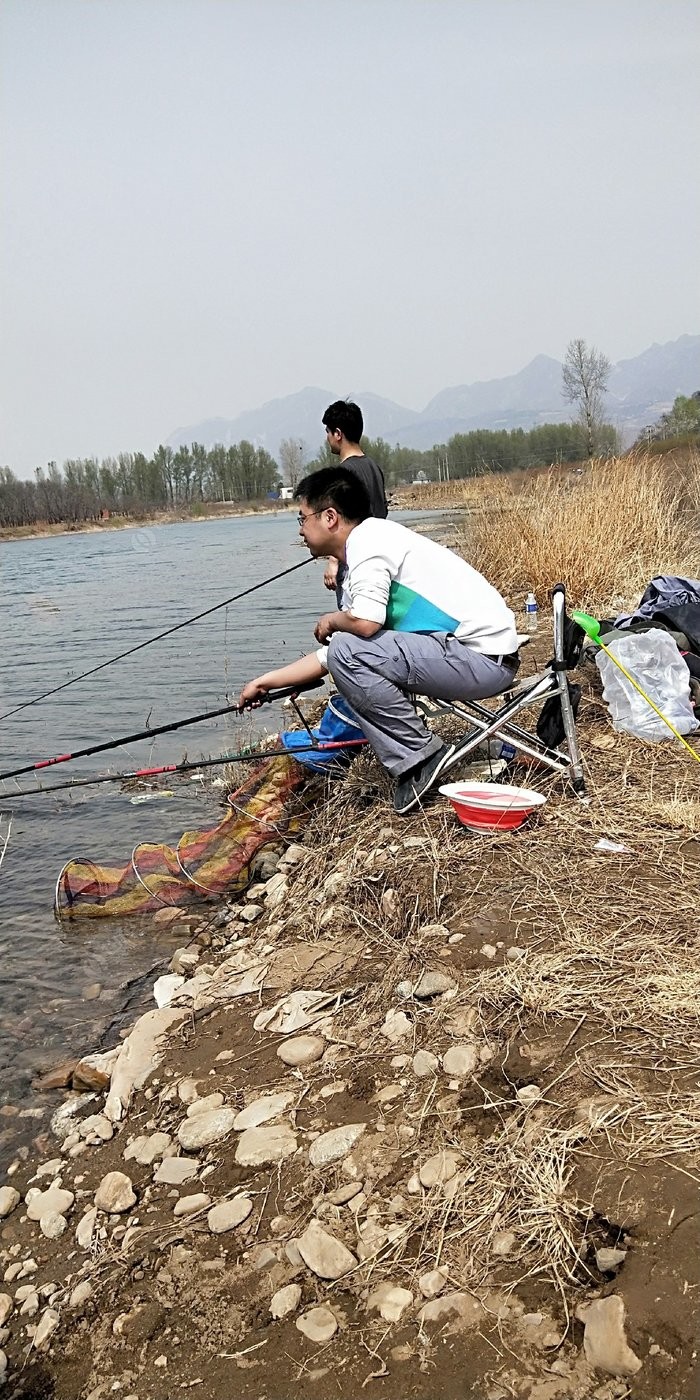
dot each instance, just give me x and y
(423, 1110)
(234, 511)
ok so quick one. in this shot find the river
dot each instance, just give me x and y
(68, 603)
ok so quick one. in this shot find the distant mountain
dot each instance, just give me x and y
(639, 390)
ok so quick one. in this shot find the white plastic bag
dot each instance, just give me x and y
(658, 667)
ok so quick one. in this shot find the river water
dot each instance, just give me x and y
(67, 603)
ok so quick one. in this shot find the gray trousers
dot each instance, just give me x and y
(374, 674)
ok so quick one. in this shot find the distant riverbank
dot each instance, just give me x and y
(213, 511)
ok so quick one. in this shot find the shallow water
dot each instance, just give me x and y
(66, 604)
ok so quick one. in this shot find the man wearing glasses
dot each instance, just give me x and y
(416, 618)
(344, 427)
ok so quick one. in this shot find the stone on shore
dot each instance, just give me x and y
(175, 1171)
(323, 1253)
(424, 1063)
(205, 1105)
(389, 1301)
(318, 1324)
(464, 1311)
(285, 1301)
(206, 1128)
(9, 1200)
(260, 1147)
(187, 1205)
(432, 1283)
(6, 1306)
(439, 1168)
(53, 1201)
(145, 1150)
(262, 1110)
(47, 1326)
(86, 1229)
(604, 1341)
(227, 1215)
(433, 984)
(52, 1225)
(460, 1060)
(301, 1050)
(335, 1144)
(115, 1194)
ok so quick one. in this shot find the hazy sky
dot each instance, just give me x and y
(210, 203)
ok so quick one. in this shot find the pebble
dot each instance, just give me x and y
(502, 1243)
(187, 1205)
(9, 1199)
(52, 1225)
(86, 1228)
(96, 1128)
(438, 1169)
(81, 1294)
(433, 984)
(206, 1128)
(115, 1194)
(388, 1094)
(48, 1168)
(432, 1283)
(263, 1110)
(6, 1306)
(604, 1341)
(30, 1304)
(318, 1324)
(301, 1050)
(205, 1105)
(53, 1201)
(389, 1301)
(3, 1367)
(465, 1309)
(259, 1147)
(396, 1026)
(460, 1060)
(285, 1301)
(166, 987)
(174, 1171)
(227, 1215)
(608, 1260)
(325, 1255)
(187, 1090)
(145, 1150)
(336, 1144)
(515, 954)
(47, 1326)
(92, 992)
(425, 1063)
(488, 950)
(249, 913)
(342, 1194)
(529, 1094)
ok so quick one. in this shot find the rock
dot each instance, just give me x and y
(95, 1071)
(47, 1326)
(425, 1063)
(432, 1283)
(86, 1229)
(166, 987)
(259, 1147)
(389, 1301)
(82, 1293)
(175, 1171)
(465, 1311)
(49, 1202)
(138, 1057)
(609, 1260)
(438, 1169)
(52, 1225)
(187, 1205)
(323, 1253)
(3, 1367)
(301, 1050)
(95, 1129)
(145, 1150)
(205, 1105)
(263, 1110)
(388, 1094)
(115, 1194)
(342, 1194)
(396, 1026)
(502, 1243)
(433, 984)
(51, 1168)
(460, 1060)
(187, 1090)
(293, 854)
(6, 1306)
(227, 1215)
(335, 1144)
(249, 913)
(488, 950)
(62, 1124)
(30, 1303)
(285, 1301)
(318, 1324)
(604, 1342)
(529, 1094)
(57, 1078)
(206, 1128)
(9, 1200)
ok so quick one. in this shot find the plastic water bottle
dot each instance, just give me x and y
(498, 748)
(531, 613)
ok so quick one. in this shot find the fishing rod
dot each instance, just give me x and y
(243, 756)
(158, 638)
(270, 697)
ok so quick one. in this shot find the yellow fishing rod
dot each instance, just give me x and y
(592, 629)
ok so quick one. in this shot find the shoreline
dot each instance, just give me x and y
(10, 535)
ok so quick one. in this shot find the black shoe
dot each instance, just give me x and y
(412, 787)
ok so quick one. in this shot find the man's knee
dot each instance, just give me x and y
(341, 651)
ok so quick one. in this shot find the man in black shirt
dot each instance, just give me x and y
(344, 426)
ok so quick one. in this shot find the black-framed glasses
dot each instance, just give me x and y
(301, 519)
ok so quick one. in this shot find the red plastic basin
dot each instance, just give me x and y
(492, 806)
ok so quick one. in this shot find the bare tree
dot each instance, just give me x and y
(585, 374)
(292, 453)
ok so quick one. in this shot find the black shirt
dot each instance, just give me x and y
(372, 478)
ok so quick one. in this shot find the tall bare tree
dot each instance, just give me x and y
(585, 374)
(292, 454)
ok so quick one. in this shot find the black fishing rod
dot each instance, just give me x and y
(150, 640)
(243, 756)
(270, 697)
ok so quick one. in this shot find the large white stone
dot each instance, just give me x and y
(318, 1324)
(263, 1110)
(52, 1225)
(396, 1026)
(460, 1060)
(432, 1283)
(115, 1194)
(206, 1128)
(9, 1199)
(48, 1323)
(175, 1171)
(260, 1147)
(227, 1215)
(323, 1253)
(433, 984)
(335, 1144)
(604, 1341)
(439, 1168)
(389, 1301)
(138, 1057)
(205, 1105)
(54, 1201)
(187, 1205)
(424, 1064)
(145, 1150)
(301, 1050)
(285, 1301)
(6, 1306)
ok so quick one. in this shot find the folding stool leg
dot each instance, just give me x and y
(559, 605)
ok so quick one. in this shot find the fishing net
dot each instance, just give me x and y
(203, 865)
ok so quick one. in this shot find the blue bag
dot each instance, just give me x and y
(337, 726)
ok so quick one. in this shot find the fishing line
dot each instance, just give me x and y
(159, 637)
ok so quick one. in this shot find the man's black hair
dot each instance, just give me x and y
(347, 417)
(336, 487)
